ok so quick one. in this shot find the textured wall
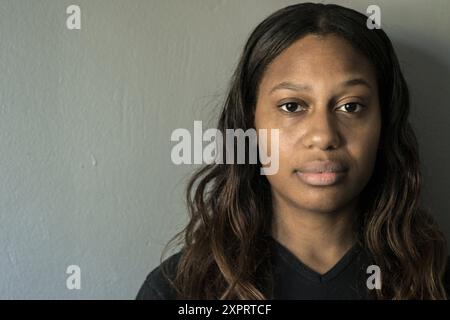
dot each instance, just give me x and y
(86, 117)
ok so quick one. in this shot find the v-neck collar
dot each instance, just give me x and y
(288, 257)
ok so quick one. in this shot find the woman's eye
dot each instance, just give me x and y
(352, 107)
(294, 107)
(291, 107)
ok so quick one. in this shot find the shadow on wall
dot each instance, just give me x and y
(428, 77)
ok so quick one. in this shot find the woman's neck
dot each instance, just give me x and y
(319, 240)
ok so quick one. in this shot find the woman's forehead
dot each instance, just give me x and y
(315, 59)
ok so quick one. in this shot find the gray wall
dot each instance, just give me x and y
(86, 117)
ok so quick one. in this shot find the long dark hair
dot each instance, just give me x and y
(225, 252)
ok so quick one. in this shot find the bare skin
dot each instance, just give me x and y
(325, 117)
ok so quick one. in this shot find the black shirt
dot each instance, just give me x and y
(347, 279)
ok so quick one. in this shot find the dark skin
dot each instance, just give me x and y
(329, 111)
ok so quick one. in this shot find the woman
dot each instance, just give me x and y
(344, 202)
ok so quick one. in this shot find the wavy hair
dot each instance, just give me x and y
(225, 251)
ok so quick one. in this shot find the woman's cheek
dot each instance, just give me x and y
(288, 151)
(363, 151)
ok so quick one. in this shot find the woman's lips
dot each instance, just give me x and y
(321, 178)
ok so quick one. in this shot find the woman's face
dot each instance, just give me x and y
(322, 95)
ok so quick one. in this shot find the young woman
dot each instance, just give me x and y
(343, 205)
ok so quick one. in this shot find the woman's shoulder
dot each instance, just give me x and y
(156, 286)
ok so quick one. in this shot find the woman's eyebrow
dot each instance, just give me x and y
(298, 86)
(290, 86)
(356, 82)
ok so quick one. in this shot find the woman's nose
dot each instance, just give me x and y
(321, 131)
